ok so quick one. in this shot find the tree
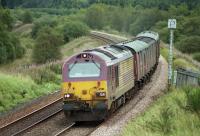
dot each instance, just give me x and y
(74, 30)
(145, 20)
(27, 17)
(45, 21)
(47, 47)
(3, 3)
(5, 19)
(95, 16)
(189, 44)
(10, 47)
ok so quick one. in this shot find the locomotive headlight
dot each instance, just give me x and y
(67, 96)
(100, 94)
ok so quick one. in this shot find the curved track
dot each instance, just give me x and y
(39, 119)
(27, 121)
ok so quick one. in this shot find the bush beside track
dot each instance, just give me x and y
(16, 90)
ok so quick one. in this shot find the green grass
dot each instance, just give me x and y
(35, 81)
(17, 89)
(78, 45)
(178, 62)
(164, 52)
(173, 114)
(182, 63)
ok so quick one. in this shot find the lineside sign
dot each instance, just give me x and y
(172, 23)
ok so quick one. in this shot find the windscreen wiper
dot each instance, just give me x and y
(95, 64)
(72, 65)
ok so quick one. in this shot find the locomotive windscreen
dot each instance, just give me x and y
(84, 69)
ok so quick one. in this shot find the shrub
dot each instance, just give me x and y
(74, 30)
(163, 123)
(44, 21)
(10, 47)
(145, 20)
(43, 75)
(95, 16)
(16, 90)
(193, 99)
(189, 44)
(56, 68)
(27, 17)
(196, 56)
(47, 47)
(182, 63)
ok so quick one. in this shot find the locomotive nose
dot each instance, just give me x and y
(84, 90)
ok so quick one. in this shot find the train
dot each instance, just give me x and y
(97, 82)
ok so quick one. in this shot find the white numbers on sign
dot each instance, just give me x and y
(172, 23)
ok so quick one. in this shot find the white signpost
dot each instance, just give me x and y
(171, 26)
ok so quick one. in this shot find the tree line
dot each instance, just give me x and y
(161, 4)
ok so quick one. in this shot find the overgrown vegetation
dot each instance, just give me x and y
(27, 17)
(47, 47)
(175, 114)
(18, 89)
(10, 47)
(74, 30)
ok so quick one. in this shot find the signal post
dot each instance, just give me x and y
(171, 26)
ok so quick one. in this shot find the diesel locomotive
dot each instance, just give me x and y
(96, 82)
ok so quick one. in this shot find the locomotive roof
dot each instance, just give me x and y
(111, 54)
(149, 34)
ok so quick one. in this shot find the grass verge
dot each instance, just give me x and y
(18, 89)
(175, 114)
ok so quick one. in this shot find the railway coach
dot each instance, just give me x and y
(98, 81)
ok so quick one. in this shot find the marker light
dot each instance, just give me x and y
(100, 94)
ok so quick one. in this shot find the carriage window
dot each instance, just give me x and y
(79, 70)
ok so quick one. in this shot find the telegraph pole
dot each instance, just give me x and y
(171, 26)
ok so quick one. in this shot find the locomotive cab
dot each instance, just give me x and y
(85, 87)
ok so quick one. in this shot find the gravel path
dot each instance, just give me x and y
(138, 104)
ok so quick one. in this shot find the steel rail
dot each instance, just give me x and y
(65, 129)
(15, 123)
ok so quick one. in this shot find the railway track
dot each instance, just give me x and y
(102, 37)
(28, 121)
(65, 129)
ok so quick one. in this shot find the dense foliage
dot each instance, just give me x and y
(189, 44)
(27, 17)
(10, 47)
(47, 47)
(74, 30)
(43, 22)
